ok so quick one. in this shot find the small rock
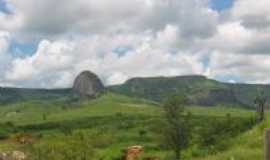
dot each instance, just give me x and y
(18, 155)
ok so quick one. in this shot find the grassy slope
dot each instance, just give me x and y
(115, 119)
(248, 146)
(32, 111)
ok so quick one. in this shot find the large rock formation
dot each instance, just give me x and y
(87, 85)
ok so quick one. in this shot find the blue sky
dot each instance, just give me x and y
(21, 49)
(221, 5)
(3, 7)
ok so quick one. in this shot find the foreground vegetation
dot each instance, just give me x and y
(102, 128)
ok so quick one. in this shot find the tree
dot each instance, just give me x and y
(176, 131)
(260, 102)
(44, 117)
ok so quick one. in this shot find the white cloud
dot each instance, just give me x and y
(116, 78)
(4, 45)
(240, 51)
(230, 36)
(254, 14)
(244, 67)
(49, 58)
(55, 64)
(4, 57)
(4, 42)
(10, 22)
(42, 19)
(121, 39)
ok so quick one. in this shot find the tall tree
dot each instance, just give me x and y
(260, 102)
(176, 131)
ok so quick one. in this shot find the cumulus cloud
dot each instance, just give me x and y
(50, 18)
(4, 39)
(239, 49)
(4, 45)
(49, 59)
(254, 14)
(5, 58)
(121, 39)
(242, 67)
(58, 59)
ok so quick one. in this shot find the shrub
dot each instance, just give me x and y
(70, 149)
(4, 135)
(142, 132)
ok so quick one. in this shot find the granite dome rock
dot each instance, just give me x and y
(87, 85)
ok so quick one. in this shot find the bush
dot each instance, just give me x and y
(66, 130)
(73, 148)
(214, 136)
(142, 132)
(4, 135)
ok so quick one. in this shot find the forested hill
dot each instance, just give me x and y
(199, 90)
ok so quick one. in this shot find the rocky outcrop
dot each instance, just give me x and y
(87, 85)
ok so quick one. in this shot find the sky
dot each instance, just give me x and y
(45, 44)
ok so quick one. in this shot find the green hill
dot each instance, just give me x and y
(248, 146)
(199, 89)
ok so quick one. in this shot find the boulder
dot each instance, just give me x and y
(87, 85)
(133, 153)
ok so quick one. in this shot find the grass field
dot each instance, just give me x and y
(107, 125)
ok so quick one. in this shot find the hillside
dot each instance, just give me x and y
(199, 89)
(247, 146)
(12, 95)
(109, 124)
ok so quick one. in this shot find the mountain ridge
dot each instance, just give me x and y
(199, 89)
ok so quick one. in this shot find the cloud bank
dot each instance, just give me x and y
(122, 39)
